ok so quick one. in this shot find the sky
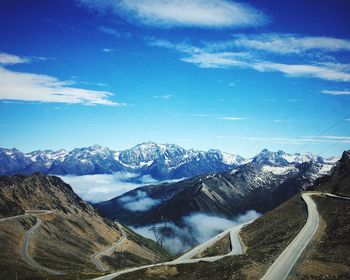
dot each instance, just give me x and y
(229, 75)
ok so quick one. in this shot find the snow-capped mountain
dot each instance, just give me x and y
(260, 184)
(266, 181)
(161, 161)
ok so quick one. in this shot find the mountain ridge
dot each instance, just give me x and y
(160, 161)
(261, 184)
(68, 236)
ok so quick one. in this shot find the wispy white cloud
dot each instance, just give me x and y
(303, 70)
(332, 137)
(208, 56)
(114, 32)
(9, 59)
(203, 115)
(301, 140)
(232, 118)
(43, 88)
(183, 13)
(166, 96)
(106, 50)
(109, 30)
(181, 47)
(244, 60)
(336, 92)
(217, 60)
(289, 43)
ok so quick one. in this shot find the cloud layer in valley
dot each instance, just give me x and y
(140, 202)
(102, 187)
(197, 228)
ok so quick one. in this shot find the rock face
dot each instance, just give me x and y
(20, 192)
(161, 161)
(67, 237)
(268, 180)
(338, 182)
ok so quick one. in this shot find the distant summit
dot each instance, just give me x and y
(161, 161)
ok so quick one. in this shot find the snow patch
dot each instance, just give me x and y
(282, 170)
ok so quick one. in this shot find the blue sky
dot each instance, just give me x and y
(202, 74)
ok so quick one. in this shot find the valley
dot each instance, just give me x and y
(270, 238)
(46, 224)
(174, 140)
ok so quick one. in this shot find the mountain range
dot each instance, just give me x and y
(261, 184)
(161, 161)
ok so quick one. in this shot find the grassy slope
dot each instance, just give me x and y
(147, 243)
(65, 240)
(328, 256)
(11, 236)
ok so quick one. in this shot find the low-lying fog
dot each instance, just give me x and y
(197, 228)
(102, 187)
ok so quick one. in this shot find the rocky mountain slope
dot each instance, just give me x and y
(268, 180)
(161, 161)
(339, 181)
(326, 257)
(67, 237)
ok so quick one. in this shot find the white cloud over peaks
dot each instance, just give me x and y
(289, 43)
(183, 13)
(43, 88)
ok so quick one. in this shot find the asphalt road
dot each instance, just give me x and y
(24, 251)
(188, 257)
(281, 268)
(96, 257)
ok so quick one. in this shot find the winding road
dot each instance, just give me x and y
(24, 251)
(96, 257)
(280, 269)
(236, 246)
(283, 265)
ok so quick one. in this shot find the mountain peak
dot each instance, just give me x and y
(270, 158)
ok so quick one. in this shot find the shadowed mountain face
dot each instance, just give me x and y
(325, 257)
(161, 161)
(268, 180)
(67, 237)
